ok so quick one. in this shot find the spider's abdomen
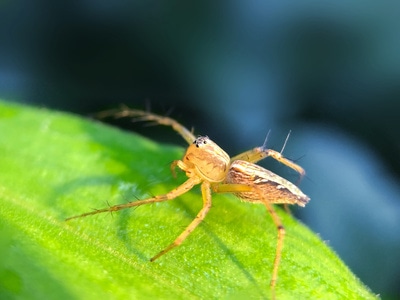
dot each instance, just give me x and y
(273, 188)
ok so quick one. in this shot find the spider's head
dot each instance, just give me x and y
(207, 159)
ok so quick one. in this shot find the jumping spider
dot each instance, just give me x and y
(205, 163)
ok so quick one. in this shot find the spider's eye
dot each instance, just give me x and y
(201, 140)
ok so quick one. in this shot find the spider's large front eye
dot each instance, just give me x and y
(201, 140)
(209, 160)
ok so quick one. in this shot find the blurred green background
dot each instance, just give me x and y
(329, 71)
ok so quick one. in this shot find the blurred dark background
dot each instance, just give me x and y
(329, 71)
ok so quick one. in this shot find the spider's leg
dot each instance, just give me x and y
(206, 193)
(183, 188)
(254, 190)
(140, 115)
(256, 154)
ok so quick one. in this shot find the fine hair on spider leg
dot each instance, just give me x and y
(207, 164)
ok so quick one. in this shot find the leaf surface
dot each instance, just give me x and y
(55, 165)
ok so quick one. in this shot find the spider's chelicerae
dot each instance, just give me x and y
(207, 164)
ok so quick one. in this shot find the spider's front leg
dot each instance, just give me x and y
(206, 193)
(206, 161)
(140, 115)
(183, 188)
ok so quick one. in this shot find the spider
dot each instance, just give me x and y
(205, 163)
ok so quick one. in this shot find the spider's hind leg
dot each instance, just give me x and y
(256, 154)
(257, 193)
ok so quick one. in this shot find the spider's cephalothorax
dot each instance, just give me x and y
(205, 163)
(207, 160)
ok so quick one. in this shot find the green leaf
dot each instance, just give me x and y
(55, 165)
